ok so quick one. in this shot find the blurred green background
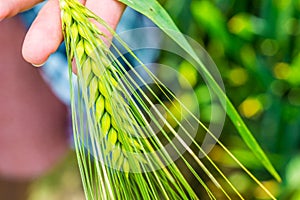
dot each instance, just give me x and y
(256, 46)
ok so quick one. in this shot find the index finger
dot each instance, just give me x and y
(9, 8)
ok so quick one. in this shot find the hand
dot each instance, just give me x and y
(45, 34)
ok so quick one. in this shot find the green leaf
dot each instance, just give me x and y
(154, 11)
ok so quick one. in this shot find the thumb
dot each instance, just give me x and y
(109, 10)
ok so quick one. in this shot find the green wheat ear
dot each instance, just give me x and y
(100, 82)
(117, 152)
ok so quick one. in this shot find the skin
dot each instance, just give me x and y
(32, 120)
(39, 44)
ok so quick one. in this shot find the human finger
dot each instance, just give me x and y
(9, 8)
(44, 35)
(109, 10)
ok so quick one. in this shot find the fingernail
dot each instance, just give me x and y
(38, 65)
